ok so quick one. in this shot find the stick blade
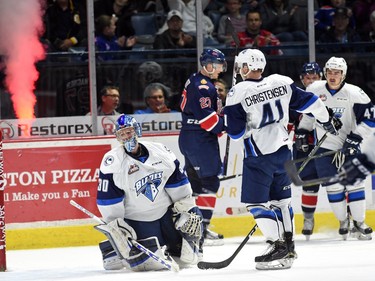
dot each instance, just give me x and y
(213, 265)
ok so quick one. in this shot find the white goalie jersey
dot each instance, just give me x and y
(140, 190)
(351, 104)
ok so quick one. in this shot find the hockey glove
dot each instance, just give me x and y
(355, 170)
(188, 218)
(351, 144)
(302, 140)
(333, 125)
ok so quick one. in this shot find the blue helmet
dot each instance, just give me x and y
(213, 56)
(127, 121)
(311, 68)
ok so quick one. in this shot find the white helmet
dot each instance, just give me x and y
(336, 63)
(252, 58)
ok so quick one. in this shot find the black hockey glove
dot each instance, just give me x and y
(355, 170)
(351, 144)
(333, 125)
(302, 140)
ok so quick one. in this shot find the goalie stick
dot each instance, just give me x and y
(225, 263)
(236, 40)
(171, 265)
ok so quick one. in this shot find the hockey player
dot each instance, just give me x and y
(303, 144)
(257, 112)
(201, 122)
(356, 112)
(144, 195)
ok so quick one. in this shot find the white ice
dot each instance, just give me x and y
(325, 257)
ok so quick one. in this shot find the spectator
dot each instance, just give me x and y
(110, 100)
(65, 26)
(256, 37)
(155, 95)
(301, 13)
(278, 18)
(74, 97)
(106, 39)
(174, 37)
(238, 21)
(340, 33)
(122, 9)
(369, 36)
(324, 17)
(222, 89)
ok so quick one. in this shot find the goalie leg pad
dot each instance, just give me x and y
(119, 234)
(190, 251)
(139, 261)
(111, 261)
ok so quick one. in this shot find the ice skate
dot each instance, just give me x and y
(344, 229)
(277, 256)
(308, 227)
(361, 231)
(212, 238)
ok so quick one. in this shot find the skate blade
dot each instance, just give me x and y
(360, 236)
(285, 263)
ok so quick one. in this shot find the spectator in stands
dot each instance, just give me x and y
(369, 36)
(301, 13)
(222, 89)
(123, 11)
(256, 37)
(340, 33)
(362, 10)
(110, 100)
(278, 18)
(156, 95)
(188, 12)
(174, 37)
(324, 17)
(65, 26)
(106, 39)
(238, 21)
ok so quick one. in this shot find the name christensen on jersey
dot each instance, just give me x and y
(266, 95)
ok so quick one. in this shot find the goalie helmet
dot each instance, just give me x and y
(336, 63)
(128, 139)
(253, 59)
(213, 56)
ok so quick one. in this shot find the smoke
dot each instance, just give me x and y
(21, 26)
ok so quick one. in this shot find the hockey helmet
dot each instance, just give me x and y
(213, 56)
(338, 64)
(311, 68)
(122, 135)
(253, 59)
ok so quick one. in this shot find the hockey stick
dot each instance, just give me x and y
(225, 263)
(312, 153)
(171, 265)
(291, 169)
(236, 40)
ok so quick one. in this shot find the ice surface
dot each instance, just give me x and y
(325, 257)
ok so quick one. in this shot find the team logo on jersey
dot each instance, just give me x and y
(203, 81)
(109, 160)
(148, 186)
(338, 111)
(133, 168)
(323, 97)
(230, 93)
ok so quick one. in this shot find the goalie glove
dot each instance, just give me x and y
(302, 140)
(351, 144)
(188, 218)
(120, 234)
(333, 125)
(355, 170)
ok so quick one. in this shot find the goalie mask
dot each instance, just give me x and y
(249, 60)
(127, 131)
